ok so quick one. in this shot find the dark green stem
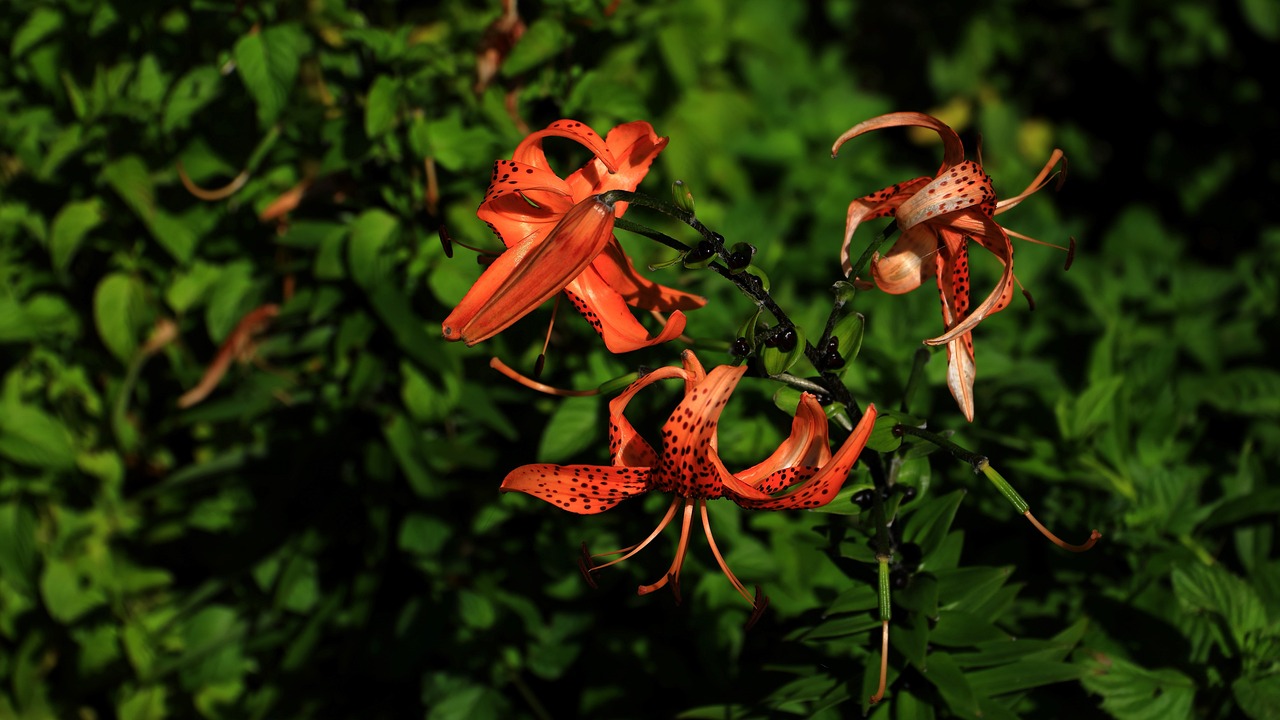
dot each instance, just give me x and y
(972, 458)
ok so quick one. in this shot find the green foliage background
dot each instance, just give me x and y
(323, 535)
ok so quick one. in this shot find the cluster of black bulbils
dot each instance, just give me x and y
(829, 355)
(865, 498)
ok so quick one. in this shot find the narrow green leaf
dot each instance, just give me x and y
(945, 675)
(1131, 692)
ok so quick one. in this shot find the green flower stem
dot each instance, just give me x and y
(886, 612)
(1002, 485)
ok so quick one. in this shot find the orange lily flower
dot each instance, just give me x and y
(558, 238)
(801, 473)
(938, 216)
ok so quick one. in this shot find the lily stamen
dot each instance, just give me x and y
(632, 550)
(673, 573)
(532, 384)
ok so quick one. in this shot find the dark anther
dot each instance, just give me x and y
(1071, 254)
(787, 339)
(585, 565)
(446, 242)
(863, 498)
(1030, 300)
(757, 609)
(539, 365)
(741, 348)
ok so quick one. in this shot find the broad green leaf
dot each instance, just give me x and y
(131, 180)
(540, 42)
(41, 23)
(372, 234)
(1214, 589)
(68, 591)
(70, 225)
(18, 554)
(1259, 698)
(1263, 16)
(1131, 692)
(189, 95)
(381, 105)
(423, 534)
(120, 314)
(268, 64)
(32, 437)
(572, 428)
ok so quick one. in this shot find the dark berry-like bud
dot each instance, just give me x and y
(863, 498)
(832, 345)
(703, 251)
(741, 348)
(832, 360)
(908, 493)
(787, 340)
(740, 256)
(899, 579)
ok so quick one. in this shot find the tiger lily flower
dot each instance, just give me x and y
(938, 216)
(801, 473)
(559, 236)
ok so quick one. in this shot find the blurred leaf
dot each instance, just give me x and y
(268, 63)
(1258, 698)
(381, 105)
(371, 234)
(41, 23)
(68, 591)
(31, 437)
(71, 224)
(189, 95)
(929, 521)
(543, 39)
(573, 427)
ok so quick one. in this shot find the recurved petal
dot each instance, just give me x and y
(611, 317)
(616, 269)
(581, 489)
(626, 446)
(530, 273)
(821, 487)
(908, 262)
(530, 149)
(877, 204)
(956, 188)
(1000, 294)
(633, 147)
(953, 149)
(806, 446)
(689, 465)
(1039, 182)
